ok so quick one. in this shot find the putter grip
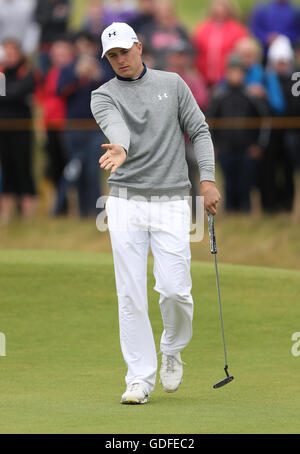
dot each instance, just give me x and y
(211, 232)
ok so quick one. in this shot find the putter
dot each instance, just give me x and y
(213, 250)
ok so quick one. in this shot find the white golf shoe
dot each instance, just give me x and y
(135, 393)
(171, 372)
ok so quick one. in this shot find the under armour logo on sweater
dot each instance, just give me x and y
(160, 97)
(112, 34)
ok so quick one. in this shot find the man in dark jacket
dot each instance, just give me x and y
(239, 146)
(52, 16)
(15, 133)
(144, 18)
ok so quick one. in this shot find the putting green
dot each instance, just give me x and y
(63, 371)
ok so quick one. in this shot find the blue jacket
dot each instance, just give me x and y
(269, 79)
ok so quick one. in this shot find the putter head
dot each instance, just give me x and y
(223, 382)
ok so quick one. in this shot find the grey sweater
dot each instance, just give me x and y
(149, 117)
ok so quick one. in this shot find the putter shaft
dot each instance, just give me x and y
(220, 310)
(213, 250)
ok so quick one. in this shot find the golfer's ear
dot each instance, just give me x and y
(140, 47)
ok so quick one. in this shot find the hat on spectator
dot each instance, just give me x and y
(118, 34)
(280, 50)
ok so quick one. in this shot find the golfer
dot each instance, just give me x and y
(144, 114)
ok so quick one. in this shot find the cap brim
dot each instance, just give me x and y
(118, 44)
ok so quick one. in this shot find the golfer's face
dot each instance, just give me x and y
(126, 62)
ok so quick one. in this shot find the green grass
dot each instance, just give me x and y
(63, 372)
(190, 12)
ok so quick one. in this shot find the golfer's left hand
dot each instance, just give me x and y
(211, 196)
(113, 158)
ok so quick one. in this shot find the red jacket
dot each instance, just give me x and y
(213, 43)
(54, 106)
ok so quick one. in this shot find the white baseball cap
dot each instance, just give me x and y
(118, 34)
(280, 50)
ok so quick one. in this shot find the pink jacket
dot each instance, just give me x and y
(213, 42)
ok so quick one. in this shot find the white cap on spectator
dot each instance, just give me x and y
(280, 50)
(118, 34)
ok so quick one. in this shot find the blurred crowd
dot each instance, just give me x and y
(243, 76)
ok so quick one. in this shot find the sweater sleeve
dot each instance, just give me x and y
(192, 122)
(110, 119)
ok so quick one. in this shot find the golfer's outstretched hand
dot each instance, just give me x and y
(113, 158)
(211, 196)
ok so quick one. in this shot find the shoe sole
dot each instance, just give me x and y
(132, 401)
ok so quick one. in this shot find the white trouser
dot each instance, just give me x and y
(135, 227)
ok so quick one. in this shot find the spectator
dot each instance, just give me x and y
(86, 42)
(54, 110)
(180, 61)
(118, 11)
(93, 21)
(215, 38)
(148, 58)
(238, 147)
(17, 22)
(297, 56)
(259, 82)
(144, 18)
(52, 17)
(161, 35)
(276, 17)
(16, 141)
(277, 183)
(82, 145)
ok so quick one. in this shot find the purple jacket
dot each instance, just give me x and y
(109, 15)
(282, 17)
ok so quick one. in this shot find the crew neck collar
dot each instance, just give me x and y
(128, 79)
